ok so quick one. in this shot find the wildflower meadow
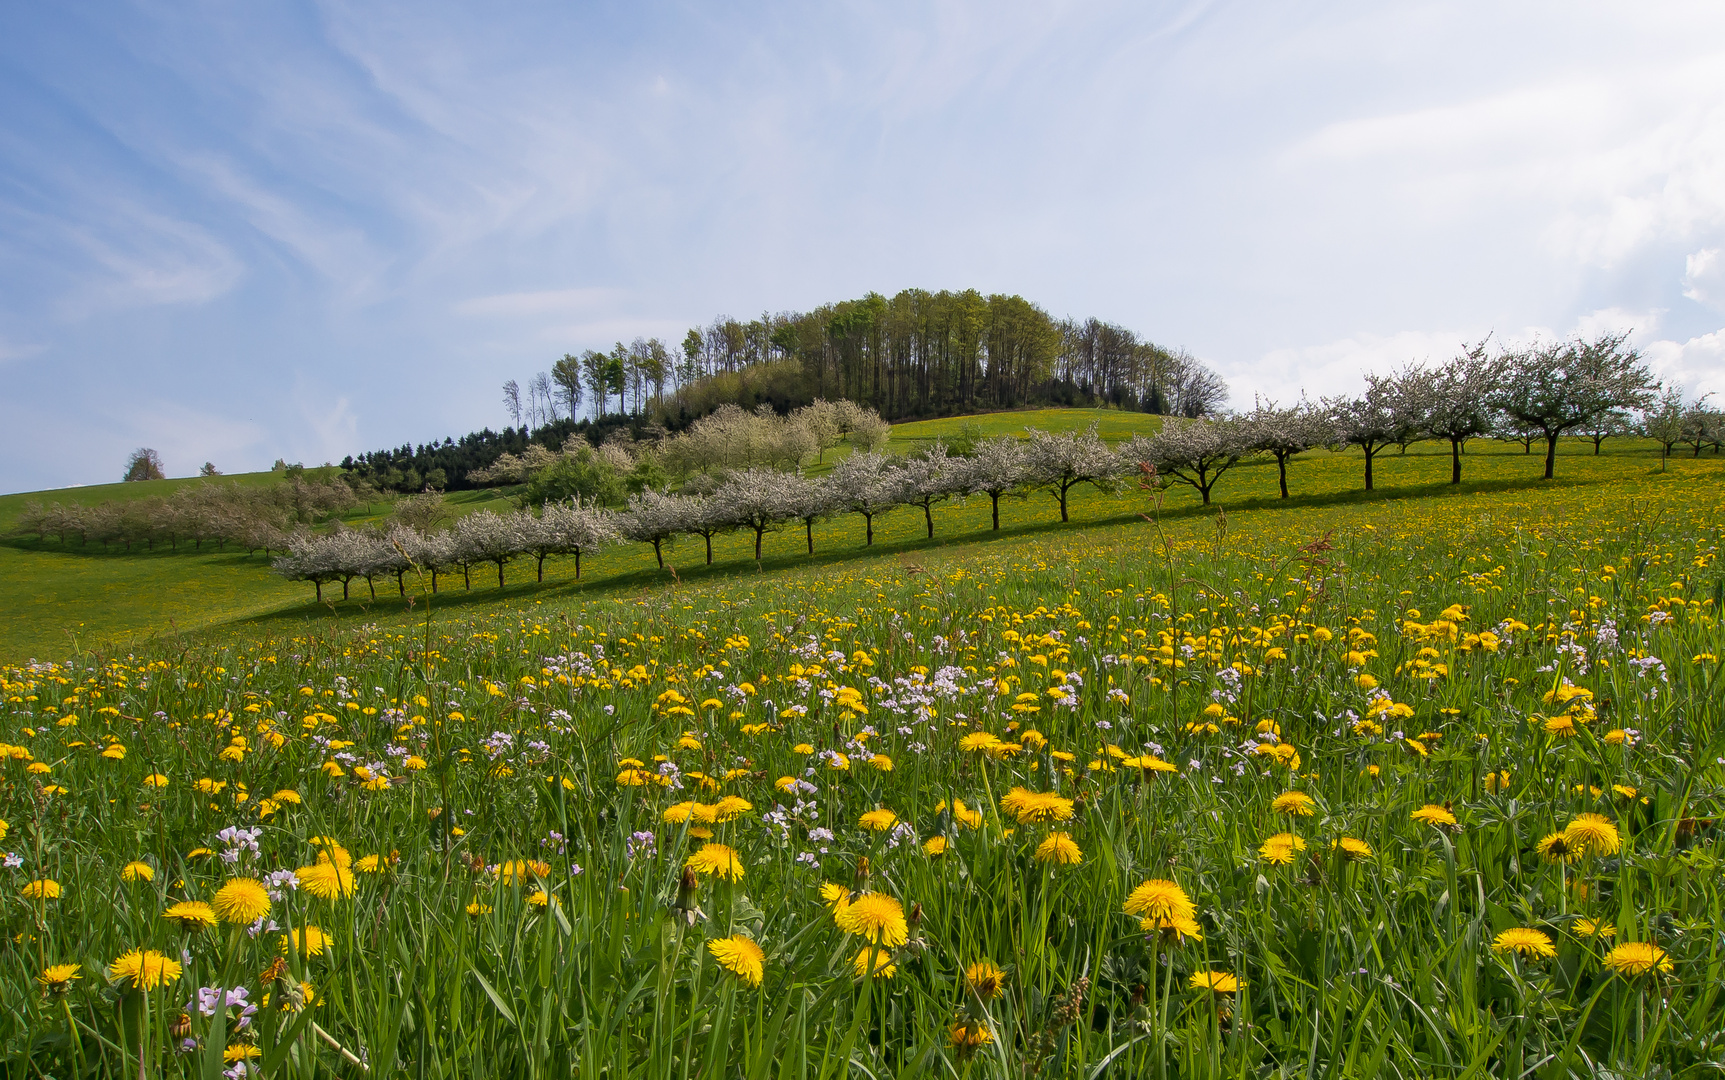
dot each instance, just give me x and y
(1412, 788)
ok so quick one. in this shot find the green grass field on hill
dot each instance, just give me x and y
(60, 598)
(1421, 783)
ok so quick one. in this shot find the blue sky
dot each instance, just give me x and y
(237, 232)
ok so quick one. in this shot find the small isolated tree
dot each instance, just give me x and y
(305, 560)
(512, 401)
(706, 519)
(1559, 387)
(1607, 425)
(1701, 425)
(652, 518)
(928, 477)
(1194, 452)
(821, 419)
(486, 536)
(144, 464)
(1383, 416)
(758, 500)
(209, 469)
(1454, 402)
(423, 512)
(865, 483)
(1282, 433)
(808, 501)
(569, 528)
(1060, 462)
(994, 468)
(1662, 421)
(431, 552)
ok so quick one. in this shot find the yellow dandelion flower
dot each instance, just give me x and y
(1036, 807)
(881, 820)
(967, 1036)
(1533, 944)
(1556, 848)
(1352, 849)
(192, 915)
(1217, 982)
(326, 880)
(934, 846)
(137, 871)
(56, 979)
(1281, 848)
(1636, 958)
(874, 962)
(1594, 928)
(1059, 849)
(740, 956)
(1433, 814)
(1294, 804)
(730, 808)
(306, 940)
(716, 860)
(984, 978)
(1592, 834)
(145, 969)
(875, 917)
(513, 870)
(41, 889)
(242, 901)
(1160, 899)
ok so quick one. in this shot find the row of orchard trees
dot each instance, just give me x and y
(257, 517)
(1572, 388)
(756, 499)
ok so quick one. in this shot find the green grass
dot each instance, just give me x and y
(118, 599)
(441, 967)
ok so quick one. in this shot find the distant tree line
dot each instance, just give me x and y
(916, 354)
(257, 517)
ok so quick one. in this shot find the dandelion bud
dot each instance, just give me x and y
(181, 1027)
(915, 913)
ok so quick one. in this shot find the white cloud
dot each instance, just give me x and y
(148, 260)
(546, 302)
(1697, 365)
(1704, 278)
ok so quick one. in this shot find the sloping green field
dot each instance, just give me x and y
(61, 598)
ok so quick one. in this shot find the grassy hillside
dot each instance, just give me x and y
(84, 596)
(1421, 784)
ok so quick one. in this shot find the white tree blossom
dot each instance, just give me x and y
(866, 483)
(1060, 462)
(996, 467)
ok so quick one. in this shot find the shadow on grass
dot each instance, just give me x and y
(362, 608)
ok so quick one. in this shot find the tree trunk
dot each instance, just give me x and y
(759, 532)
(400, 585)
(344, 582)
(1455, 461)
(1064, 488)
(1282, 473)
(1368, 468)
(500, 573)
(434, 581)
(372, 585)
(1550, 455)
(809, 524)
(319, 586)
(709, 539)
(541, 569)
(994, 497)
(1204, 492)
(467, 576)
(868, 525)
(577, 564)
(659, 553)
(928, 515)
